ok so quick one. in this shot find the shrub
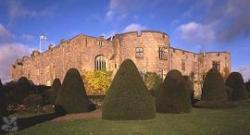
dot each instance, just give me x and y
(1, 84)
(16, 91)
(23, 88)
(128, 97)
(33, 100)
(248, 87)
(215, 104)
(3, 103)
(97, 82)
(52, 93)
(152, 82)
(72, 97)
(174, 94)
(235, 81)
(213, 87)
(190, 87)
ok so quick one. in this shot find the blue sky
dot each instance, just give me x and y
(194, 25)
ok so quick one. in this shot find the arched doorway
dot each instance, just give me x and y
(100, 63)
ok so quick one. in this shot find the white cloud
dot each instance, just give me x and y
(245, 71)
(9, 52)
(196, 33)
(134, 27)
(17, 10)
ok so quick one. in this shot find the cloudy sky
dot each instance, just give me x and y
(194, 25)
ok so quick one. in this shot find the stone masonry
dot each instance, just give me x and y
(150, 51)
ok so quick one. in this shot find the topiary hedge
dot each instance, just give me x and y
(190, 86)
(72, 97)
(3, 103)
(52, 93)
(1, 84)
(153, 81)
(239, 91)
(214, 88)
(128, 98)
(248, 87)
(174, 96)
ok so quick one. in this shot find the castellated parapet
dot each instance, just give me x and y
(150, 51)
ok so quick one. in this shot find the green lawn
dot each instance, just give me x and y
(233, 121)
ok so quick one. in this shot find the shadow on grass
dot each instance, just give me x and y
(24, 123)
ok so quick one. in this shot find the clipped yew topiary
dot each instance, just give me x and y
(248, 87)
(1, 84)
(236, 82)
(128, 98)
(3, 103)
(214, 88)
(174, 94)
(53, 91)
(72, 97)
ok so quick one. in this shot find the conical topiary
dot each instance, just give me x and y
(128, 97)
(53, 91)
(174, 94)
(248, 87)
(72, 97)
(3, 103)
(1, 85)
(214, 88)
(239, 91)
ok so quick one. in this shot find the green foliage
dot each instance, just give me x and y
(233, 121)
(3, 103)
(53, 91)
(17, 91)
(248, 87)
(153, 81)
(174, 94)
(72, 97)
(97, 82)
(190, 87)
(215, 104)
(235, 81)
(213, 87)
(33, 100)
(1, 85)
(128, 97)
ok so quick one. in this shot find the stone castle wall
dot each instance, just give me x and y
(81, 52)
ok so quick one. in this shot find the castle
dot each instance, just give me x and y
(150, 51)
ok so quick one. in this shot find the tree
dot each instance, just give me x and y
(153, 81)
(128, 97)
(72, 97)
(97, 82)
(236, 82)
(174, 94)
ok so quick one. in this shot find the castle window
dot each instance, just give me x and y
(139, 52)
(100, 44)
(163, 53)
(216, 65)
(183, 65)
(100, 63)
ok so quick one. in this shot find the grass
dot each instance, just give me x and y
(231, 121)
